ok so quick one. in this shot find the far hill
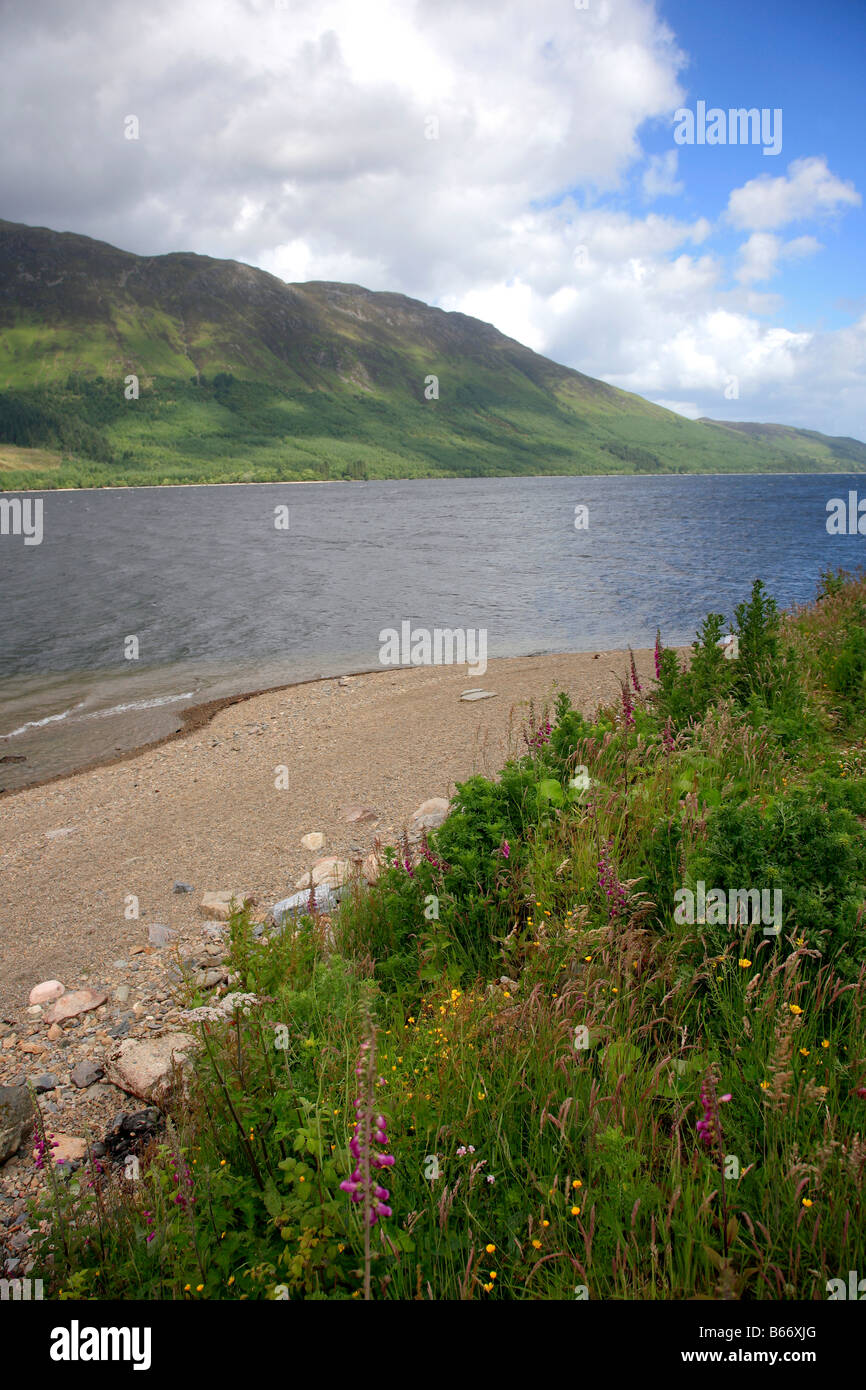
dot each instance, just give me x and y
(241, 377)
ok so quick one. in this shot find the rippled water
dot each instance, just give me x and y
(221, 601)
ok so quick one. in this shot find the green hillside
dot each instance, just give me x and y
(242, 377)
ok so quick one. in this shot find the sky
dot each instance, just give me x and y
(535, 163)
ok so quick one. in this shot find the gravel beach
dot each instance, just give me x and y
(204, 808)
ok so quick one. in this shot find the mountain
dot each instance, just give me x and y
(241, 377)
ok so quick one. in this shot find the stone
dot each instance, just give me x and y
(55, 1032)
(219, 904)
(429, 815)
(59, 834)
(68, 1148)
(79, 1001)
(46, 992)
(357, 815)
(86, 1074)
(471, 695)
(130, 1131)
(314, 841)
(178, 887)
(147, 1068)
(330, 872)
(160, 935)
(16, 1119)
(34, 1011)
(33, 1048)
(207, 979)
(46, 1082)
(214, 931)
(325, 897)
(372, 866)
(346, 680)
(121, 994)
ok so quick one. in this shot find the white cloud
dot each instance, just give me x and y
(808, 189)
(660, 178)
(761, 253)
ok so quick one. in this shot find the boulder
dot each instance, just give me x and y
(131, 1131)
(219, 904)
(429, 815)
(86, 1074)
(146, 1067)
(326, 899)
(160, 935)
(68, 1148)
(78, 1001)
(329, 872)
(16, 1119)
(357, 815)
(46, 992)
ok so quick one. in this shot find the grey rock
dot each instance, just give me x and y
(16, 1117)
(121, 994)
(298, 905)
(470, 695)
(119, 1030)
(160, 935)
(46, 1082)
(207, 979)
(85, 1074)
(179, 887)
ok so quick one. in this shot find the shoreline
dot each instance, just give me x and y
(223, 803)
(439, 478)
(198, 716)
(193, 718)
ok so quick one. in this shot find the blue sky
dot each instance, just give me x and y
(809, 60)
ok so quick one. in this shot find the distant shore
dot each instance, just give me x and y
(445, 478)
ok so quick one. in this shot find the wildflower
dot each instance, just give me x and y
(505, 849)
(795, 1008)
(575, 1211)
(199, 1287)
(634, 680)
(490, 1178)
(627, 707)
(370, 1131)
(745, 963)
(804, 1052)
(807, 1202)
(487, 1288)
(493, 1274)
(826, 1042)
(577, 1183)
(490, 1249)
(765, 1085)
(536, 1245)
(710, 1127)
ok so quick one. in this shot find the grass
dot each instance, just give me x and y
(541, 1032)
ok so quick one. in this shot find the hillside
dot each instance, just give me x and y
(242, 377)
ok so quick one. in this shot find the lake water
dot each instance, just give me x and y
(221, 601)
